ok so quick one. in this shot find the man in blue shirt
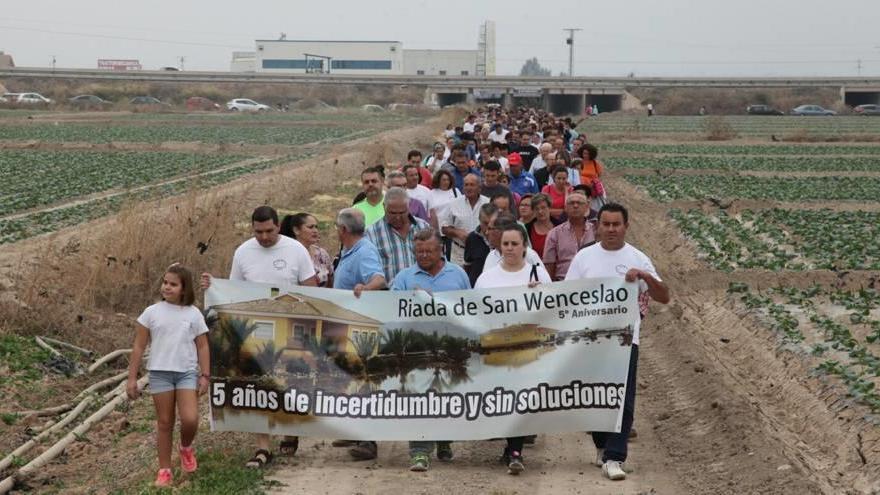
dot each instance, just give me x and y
(431, 273)
(359, 269)
(521, 181)
(359, 266)
(462, 169)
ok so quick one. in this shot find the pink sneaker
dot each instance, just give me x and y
(163, 479)
(188, 459)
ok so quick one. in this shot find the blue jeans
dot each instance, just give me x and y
(615, 444)
(166, 381)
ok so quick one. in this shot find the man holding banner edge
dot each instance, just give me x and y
(613, 256)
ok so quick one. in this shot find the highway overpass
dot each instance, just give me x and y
(559, 94)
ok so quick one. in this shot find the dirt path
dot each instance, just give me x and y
(555, 464)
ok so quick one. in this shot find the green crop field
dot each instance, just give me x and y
(106, 133)
(30, 179)
(744, 125)
(43, 190)
(735, 163)
(759, 150)
(777, 239)
(837, 188)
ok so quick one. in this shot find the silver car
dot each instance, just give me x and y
(812, 110)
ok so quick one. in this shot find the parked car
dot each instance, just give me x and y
(868, 109)
(763, 110)
(146, 100)
(812, 110)
(200, 103)
(172, 69)
(27, 98)
(89, 101)
(246, 105)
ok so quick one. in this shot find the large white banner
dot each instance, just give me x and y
(409, 365)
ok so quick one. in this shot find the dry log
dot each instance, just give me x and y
(7, 461)
(46, 346)
(109, 357)
(67, 345)
(49, 411)
(103, 383)
(55, 450)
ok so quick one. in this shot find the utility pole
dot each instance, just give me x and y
(182, 59)
(859, 67)
(53, 62)
(570, 41)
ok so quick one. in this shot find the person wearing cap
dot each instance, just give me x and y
(521, 181)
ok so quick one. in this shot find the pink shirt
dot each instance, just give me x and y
(562, 245)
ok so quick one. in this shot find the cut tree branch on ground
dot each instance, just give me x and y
(40, 342)
(109, 357)
(55, 450)
(103, 383)
(67, 345)
(49, 411)
(7, 461)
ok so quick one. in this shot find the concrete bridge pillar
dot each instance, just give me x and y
(507, 100)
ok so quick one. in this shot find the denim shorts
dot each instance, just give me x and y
(166, 381)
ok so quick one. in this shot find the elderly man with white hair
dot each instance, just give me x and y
(545, 150)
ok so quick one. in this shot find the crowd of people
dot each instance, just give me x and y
(508, 198)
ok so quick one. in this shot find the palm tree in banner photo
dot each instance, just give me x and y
(267, 358)
(225, 343)
(396, 342)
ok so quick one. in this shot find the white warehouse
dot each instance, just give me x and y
(338, 57)
(367, 57)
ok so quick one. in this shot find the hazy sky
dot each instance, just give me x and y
(647, 37)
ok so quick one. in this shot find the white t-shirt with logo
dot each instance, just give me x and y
(595, 261)
(286, 263)
(468, 127)
(173, 330)
(499, 277)
(494, 258)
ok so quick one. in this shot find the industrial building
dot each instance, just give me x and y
(285, 56)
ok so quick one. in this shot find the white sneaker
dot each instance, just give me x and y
(599, 453)
(613, 470)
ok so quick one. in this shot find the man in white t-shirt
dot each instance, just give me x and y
(270, 258)
(469, 124)
(498, 134)
(413, 189)
(612, 256)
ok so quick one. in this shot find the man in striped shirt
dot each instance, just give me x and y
(393, 235)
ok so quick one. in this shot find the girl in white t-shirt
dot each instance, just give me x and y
(179, 366)
(513, 271)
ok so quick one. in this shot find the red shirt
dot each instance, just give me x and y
(557, 199)
(427, 179)
(538, 241)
